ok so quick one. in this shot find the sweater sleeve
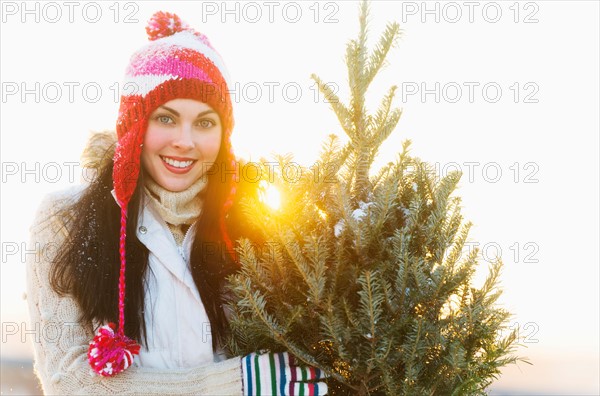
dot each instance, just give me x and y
(61, 343)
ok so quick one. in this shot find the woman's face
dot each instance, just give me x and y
(181, 143)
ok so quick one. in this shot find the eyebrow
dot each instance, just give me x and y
(199, 114)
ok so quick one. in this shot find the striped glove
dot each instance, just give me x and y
(278, 374)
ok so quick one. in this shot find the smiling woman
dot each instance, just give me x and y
(161, 214)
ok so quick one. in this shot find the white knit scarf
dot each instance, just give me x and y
(178, 209)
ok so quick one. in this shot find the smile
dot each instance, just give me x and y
(178, 164)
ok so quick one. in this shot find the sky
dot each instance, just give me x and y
(506, 92)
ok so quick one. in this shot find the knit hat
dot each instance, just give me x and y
(179, 62)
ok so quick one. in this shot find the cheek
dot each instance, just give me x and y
(153, 141)
(210, 146)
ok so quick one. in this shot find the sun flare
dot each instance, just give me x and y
(270, 195)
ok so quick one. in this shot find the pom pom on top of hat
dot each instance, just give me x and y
(164, 24)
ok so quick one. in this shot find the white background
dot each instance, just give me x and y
(543, 217)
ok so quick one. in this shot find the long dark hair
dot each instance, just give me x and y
(87, 265)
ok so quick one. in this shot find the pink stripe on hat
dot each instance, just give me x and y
(182, 63)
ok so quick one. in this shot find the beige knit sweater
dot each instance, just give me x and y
(61, 344)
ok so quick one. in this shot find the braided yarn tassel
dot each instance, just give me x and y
(109, 352)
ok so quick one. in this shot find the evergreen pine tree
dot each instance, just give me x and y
(364, 276)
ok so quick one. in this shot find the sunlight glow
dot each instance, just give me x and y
(269, 195)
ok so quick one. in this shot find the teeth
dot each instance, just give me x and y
(177, 164)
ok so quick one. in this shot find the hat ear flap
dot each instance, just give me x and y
(126, 168)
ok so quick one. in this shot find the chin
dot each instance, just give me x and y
(175, 186)
(178, 187)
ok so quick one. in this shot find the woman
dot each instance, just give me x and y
(151, 233)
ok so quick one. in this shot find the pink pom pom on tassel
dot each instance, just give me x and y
(110, 353)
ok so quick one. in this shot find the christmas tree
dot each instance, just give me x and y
(363, 275)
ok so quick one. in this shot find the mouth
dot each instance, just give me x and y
(178, 165)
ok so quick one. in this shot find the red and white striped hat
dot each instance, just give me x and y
(177, 63)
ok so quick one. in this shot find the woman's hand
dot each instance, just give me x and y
(278, 374)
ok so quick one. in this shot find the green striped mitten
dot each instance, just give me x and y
(278, 374)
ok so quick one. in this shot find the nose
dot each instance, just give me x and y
(183, 139)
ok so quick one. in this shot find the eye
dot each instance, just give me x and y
(206, 123)
(164, 119)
